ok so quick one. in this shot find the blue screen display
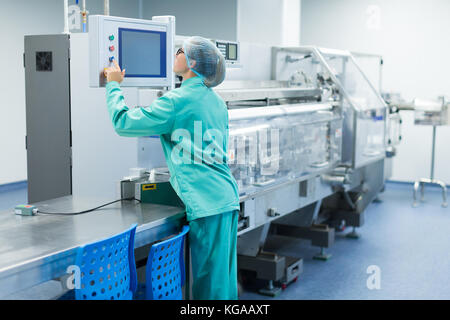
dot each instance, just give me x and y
(142, 53)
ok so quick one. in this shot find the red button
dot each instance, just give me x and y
(111, 48)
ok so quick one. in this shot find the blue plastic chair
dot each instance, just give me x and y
(108, 269)
(165, 271)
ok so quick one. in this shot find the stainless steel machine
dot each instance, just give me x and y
(332, 136)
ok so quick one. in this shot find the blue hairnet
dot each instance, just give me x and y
(209, 62)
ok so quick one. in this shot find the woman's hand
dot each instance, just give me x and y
(114, 73)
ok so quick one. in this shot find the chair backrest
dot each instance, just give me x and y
(108, 269)
(165, 268)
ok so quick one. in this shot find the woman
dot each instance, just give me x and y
(192, 122)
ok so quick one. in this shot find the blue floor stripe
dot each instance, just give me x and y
(16, 194)
(13, 186)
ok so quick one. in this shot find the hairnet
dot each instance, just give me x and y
(209, 62)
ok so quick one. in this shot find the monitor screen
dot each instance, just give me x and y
(142, 53)
(232, 52)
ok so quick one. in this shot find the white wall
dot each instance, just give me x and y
(259, 21)
(270, 22)
(215, 19)
(19, 18)
(291, 23)
(412, 37)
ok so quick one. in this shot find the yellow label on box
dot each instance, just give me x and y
(151, 186)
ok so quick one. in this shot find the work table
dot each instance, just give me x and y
(36, 249)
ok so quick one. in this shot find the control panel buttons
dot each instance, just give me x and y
(111, 48)
(111, 37)
(111, 59)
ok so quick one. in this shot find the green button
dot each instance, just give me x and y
(111, 37)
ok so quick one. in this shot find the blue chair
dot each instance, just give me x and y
(108, 269)
(165, 271)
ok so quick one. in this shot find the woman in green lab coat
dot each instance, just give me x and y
(192, 122)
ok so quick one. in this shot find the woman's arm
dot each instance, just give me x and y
(157, 119)
(137, 122)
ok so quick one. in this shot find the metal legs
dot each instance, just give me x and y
(421, 184)
(270, 290)
(416, 189)
(322, 255)
(353, 234)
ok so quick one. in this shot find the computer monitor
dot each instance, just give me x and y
(144, 48)
(142, 53)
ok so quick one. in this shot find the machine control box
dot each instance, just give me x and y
(144, 48)
(229, 49)
(25, 210)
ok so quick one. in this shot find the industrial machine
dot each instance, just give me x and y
(330, 126)
(307, 134)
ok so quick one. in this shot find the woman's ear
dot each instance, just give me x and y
(193, 63)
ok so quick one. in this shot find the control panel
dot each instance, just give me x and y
(144, 48)
(229, 49)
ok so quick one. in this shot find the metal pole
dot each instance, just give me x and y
(84, 15)
(381, 76)
(106, 7)
(141, 9)
(432, 153)
(66, 16)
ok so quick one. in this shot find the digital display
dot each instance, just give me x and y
(232, 52)
(142, 53)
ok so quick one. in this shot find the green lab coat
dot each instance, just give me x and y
(191, 120)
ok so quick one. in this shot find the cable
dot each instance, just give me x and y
(85, 211)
